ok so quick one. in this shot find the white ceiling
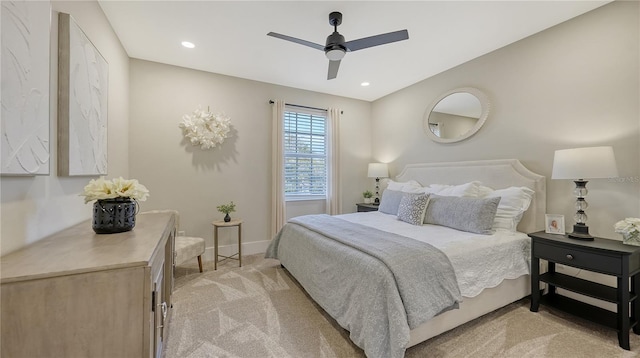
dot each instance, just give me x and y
(231, 37)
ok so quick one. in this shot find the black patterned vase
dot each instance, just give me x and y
(111, 216)
(227, 218)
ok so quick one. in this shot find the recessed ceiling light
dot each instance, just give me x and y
(364, 84)
(188, 44)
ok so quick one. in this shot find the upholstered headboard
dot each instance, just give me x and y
(497, 174)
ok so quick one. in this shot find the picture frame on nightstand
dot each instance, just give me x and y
(554, 224)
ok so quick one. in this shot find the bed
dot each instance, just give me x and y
(360, 281)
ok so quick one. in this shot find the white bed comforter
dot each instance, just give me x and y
(479, 261)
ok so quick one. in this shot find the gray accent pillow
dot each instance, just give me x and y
(412, 208)
(462, 213)
(390, 201)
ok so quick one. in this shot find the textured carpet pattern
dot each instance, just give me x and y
(260, 311)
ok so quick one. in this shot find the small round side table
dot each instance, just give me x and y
(218, 224)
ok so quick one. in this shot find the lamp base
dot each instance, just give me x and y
(377, 199)
(580, 232)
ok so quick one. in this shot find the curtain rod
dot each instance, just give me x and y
(300, 106)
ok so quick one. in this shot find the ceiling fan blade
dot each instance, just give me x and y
(376, 40)
(333, 69)
(298, 41)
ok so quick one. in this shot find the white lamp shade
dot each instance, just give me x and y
(584, 163)
(378, 170)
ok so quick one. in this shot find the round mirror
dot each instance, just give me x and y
(456, 115)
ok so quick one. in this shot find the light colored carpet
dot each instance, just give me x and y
(259, 311)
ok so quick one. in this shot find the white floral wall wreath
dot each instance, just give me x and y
(205, 129)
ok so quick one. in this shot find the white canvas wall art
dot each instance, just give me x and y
(82, 103)
(25, 43)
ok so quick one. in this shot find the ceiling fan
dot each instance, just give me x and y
(336, 47)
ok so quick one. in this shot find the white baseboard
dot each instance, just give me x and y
(248, 248)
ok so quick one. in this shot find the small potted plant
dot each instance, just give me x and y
(367, 196)
(226, 209)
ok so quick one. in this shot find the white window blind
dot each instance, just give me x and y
(305, 153)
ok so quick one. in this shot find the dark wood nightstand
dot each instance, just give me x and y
(366, 207)
(609, 257)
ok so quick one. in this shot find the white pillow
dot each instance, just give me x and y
(483, 191)
(514, 201)
(410, 186)
(470, 190)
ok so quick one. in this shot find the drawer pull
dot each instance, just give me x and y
(164, 311)
(569, 256)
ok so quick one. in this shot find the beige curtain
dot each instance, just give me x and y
(334, 195)
(278, 213)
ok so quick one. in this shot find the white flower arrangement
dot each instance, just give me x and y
(628, 226)
(117, 188)
(205, 129)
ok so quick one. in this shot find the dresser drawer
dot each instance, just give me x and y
(578, 258)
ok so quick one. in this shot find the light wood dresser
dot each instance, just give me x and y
(79, 294)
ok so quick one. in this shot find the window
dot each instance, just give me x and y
(305, 154)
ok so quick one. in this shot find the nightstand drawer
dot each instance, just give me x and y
(578, 258)
(366, 207)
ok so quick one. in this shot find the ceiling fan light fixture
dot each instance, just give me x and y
(336, 47)
(335, 54)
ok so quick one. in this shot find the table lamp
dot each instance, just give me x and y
(378, 170)
(579, 164)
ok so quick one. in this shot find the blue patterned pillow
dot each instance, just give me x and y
(412, 208)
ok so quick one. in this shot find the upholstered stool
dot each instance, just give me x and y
(185, 247)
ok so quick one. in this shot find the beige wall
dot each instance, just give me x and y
(34, 207)
(574, 85)
(195, 181)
